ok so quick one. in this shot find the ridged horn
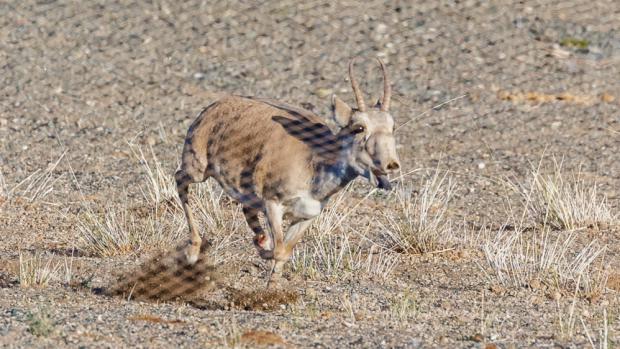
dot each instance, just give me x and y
(359, 97)
(387, 88)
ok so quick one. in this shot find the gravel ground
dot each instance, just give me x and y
(81, 80)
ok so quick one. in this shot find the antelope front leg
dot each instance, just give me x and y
(262, 240)
(275, 214)
(304, 211)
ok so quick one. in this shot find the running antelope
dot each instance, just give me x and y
(285, 161)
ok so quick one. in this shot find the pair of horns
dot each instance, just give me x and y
(359, 97)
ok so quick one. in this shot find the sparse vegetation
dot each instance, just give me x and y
(544, 259)
(403, 307)
(37, 271)
(160, 222)
(35, 187)
(566, 202)
(577, 43)
(4, 189)
(160, 186)
(40, 323)
(420, 224)
(120, 230)
(329, 250)
(480, 88)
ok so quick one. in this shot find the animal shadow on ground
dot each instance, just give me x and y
(168, 277)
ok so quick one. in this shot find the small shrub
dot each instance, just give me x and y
(40, 323)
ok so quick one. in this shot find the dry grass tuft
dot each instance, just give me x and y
(541, 259)
(419, 224)
(34, 271)
(160, 185)
(117, 231)
(403, 307)
(4, 189)
(33, 188)
(329, 250)
(566, 203)
(40, 322)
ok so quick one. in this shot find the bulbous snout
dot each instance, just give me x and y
(383, 153)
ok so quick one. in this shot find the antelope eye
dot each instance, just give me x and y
(358, 129)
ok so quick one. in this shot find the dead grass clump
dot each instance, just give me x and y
(335, 256)
(166, 277)
(4, 190)
(35, 271)
(329, 250)
(263, 300)
(419, 224)
(35, 187)
(160, 185)
(403, 307)
(566, 203)
(537, 259)
(117, 231)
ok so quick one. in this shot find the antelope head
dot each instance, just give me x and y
(370, 133)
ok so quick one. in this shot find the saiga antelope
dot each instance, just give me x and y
(282, 160)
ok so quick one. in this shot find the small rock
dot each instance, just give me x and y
(607, 98)
(535, 284)
(381, 28)
(481, 165)
(477, 337)
(324, 92)
(555, 295)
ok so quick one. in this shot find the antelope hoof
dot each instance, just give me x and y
(275, 282)
(275, 278)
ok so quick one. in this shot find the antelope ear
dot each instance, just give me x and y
(377, 104)
(342, 111)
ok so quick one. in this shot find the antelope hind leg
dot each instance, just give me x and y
(192, 251)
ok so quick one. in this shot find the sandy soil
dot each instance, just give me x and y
(79, 81)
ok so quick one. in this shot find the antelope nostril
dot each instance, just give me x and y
(393, 166)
